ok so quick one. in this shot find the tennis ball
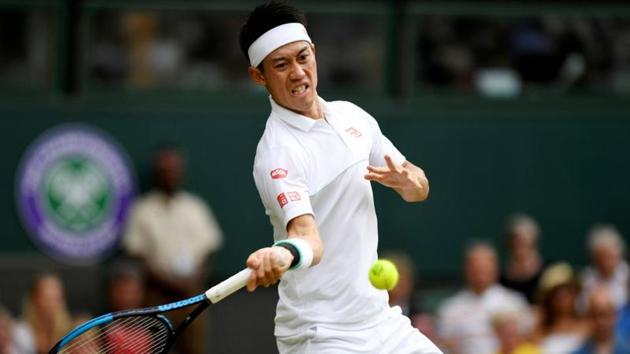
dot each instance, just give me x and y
(383, 274)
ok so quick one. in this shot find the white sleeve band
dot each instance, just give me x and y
(274, 39)
(304, 249)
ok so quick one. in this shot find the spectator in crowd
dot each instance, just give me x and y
(560, 329)
(140, 31)
(524, 264)
(622, 325)
(45, 318)
(173, 233)
(602, 316)
(7, 344)
(404, 296)
(608, 268)
(126, 287)
(465, 320)
(512, 336)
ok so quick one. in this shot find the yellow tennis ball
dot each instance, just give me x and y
(383, 274)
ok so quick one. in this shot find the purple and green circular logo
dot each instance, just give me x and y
(74, 188)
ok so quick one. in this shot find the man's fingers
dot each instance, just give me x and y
(252, 282)
(390, 163)
(376, 169)
(253, 261)
(267, 271)
(373, 177)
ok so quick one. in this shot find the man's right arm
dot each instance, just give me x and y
(270, 263)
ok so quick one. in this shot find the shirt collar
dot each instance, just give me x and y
(293, 119)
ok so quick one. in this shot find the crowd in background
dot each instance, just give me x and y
(524, 305)
(530, 305)
(166, 256)
(190, 50)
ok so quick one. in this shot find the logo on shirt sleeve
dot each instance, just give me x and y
(279, 173)
(282, 200)
(354, 132)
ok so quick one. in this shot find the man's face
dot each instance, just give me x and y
(169, 171)
(481, 269)
(606, 259)
(290, 75)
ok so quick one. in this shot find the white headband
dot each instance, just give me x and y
(274, 39)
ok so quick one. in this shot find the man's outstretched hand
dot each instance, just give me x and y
(406, 179)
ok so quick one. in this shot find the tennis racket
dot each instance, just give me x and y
(142, 331)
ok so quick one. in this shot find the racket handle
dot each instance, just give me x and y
(228, 286)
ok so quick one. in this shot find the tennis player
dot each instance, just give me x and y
(313, 168)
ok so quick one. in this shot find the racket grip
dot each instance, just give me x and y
(228, 286)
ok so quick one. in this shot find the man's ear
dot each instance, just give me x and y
(256, 75)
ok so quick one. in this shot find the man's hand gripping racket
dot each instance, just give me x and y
(148, 330)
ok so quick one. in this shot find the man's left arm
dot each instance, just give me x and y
(407, 179)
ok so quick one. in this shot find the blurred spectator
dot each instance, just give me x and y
(45, 318)
(602, 317)
(404, 296)
(525, 264)
(7, 344)
(550, 52)
(173, 233)
(608, 268)
(126, 289)
(26, 47)
(622, 326)
(512, 335)
(140, 32)
(534, 52)
(560, 329)
(465, 320)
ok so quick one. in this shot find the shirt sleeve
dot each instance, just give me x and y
(281, 179)
(382, 146)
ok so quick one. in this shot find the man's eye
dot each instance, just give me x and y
(303, 57)
(280, 66)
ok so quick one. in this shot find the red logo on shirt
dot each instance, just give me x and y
(282, 200)
(279, 173)
(355, 133)
(294, 196)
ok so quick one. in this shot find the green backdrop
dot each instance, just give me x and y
(564, 160)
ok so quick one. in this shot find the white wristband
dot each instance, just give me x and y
(304, 250)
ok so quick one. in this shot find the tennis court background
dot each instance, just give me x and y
(560, 155)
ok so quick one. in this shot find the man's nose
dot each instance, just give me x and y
(297, 71)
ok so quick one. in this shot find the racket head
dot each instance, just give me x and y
(119, 334)
(140, 331)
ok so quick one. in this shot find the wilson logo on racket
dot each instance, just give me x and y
(279, 173)
(183, 303)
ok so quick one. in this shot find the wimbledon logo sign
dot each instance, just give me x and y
(74, 188)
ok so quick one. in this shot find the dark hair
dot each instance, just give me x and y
(265, 17)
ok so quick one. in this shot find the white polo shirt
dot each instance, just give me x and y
(308, 166)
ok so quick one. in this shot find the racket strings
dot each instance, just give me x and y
(128, 335)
